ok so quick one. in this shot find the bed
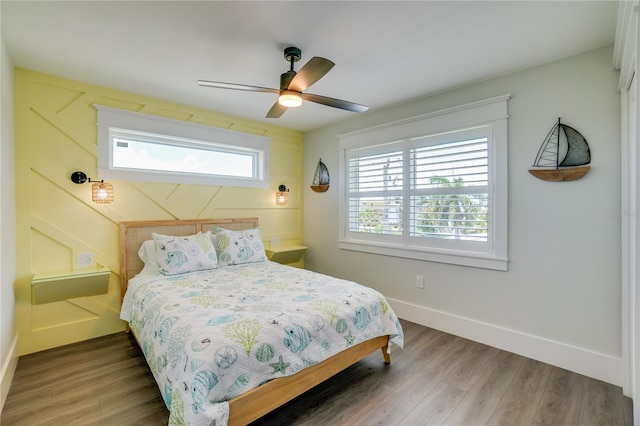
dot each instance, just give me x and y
(225, 343)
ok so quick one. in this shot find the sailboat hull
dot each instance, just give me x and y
(320, 188)
(560, 174)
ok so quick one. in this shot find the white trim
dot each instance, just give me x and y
(625, 49)
(458, 257)
(8, 369)
(580, 360)
(628, 250)
(625, 59)
(491, 113)
(113, 120)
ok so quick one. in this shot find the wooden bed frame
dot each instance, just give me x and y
(257, 402)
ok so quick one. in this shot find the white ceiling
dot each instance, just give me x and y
(386, 52)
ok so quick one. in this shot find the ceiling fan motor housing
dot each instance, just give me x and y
(285, 79)
(292, 54)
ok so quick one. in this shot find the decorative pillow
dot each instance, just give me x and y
(147, 254)
(177, 255)
(237, 247)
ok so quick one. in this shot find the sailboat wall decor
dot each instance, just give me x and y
(563, 156)
(320, 178)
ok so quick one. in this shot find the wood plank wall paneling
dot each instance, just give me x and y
(56, 134)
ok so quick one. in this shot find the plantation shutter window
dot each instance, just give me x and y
(439, 194)
(376, 193)
(449, 196)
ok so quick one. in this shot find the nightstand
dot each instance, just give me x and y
(286, 254)
(58, 286)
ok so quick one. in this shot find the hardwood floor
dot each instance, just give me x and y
(437, 379)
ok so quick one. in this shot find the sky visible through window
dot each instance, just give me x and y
(161, 157)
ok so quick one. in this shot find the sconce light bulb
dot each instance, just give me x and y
(282, 196)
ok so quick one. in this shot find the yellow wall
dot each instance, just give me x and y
(56, 135)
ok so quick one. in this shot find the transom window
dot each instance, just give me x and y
(435, 196)
(141, 147)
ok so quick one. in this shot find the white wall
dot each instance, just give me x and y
(8, 337)
(560, 299)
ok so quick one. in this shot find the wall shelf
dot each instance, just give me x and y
(286, 254)
(59, 286)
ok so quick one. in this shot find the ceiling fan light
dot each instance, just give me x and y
(290, 99)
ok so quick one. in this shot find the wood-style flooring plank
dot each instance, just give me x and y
(481, 400)
(601, 405)
(436, 407)
(437, 379)
(419, 384)
(521, 400)
(471, 367)
(560, 403)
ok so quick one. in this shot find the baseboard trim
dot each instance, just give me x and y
(583, 361)
(8, 368)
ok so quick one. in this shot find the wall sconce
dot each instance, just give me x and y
(282, 196)
(101, 192)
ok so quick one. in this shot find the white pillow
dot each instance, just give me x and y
(237, 247)
(147, 254)
(181, 254)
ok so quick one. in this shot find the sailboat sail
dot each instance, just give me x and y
(578, 152)
(563, 139)
(320, 178)
(564, 155)
(549, 150)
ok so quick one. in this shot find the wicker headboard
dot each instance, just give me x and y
(134, 233)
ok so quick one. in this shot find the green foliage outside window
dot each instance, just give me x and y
(452, 215)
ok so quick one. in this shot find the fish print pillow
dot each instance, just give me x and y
(178, 255)
(237, 247)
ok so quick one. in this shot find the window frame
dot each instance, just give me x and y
(490, 114)
(114, 124)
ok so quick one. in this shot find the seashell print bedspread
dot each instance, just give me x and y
(209, 336)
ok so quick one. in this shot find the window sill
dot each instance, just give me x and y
(475, 260)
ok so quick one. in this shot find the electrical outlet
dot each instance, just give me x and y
(84, 259)
(419, 281)
(275, 242)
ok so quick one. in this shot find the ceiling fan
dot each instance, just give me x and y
(292, 85)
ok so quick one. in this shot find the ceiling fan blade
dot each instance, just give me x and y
(336, 103)
(232, 86)
(276, 110)
(311, 72)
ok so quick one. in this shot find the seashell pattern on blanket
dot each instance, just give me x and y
(243, 327)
